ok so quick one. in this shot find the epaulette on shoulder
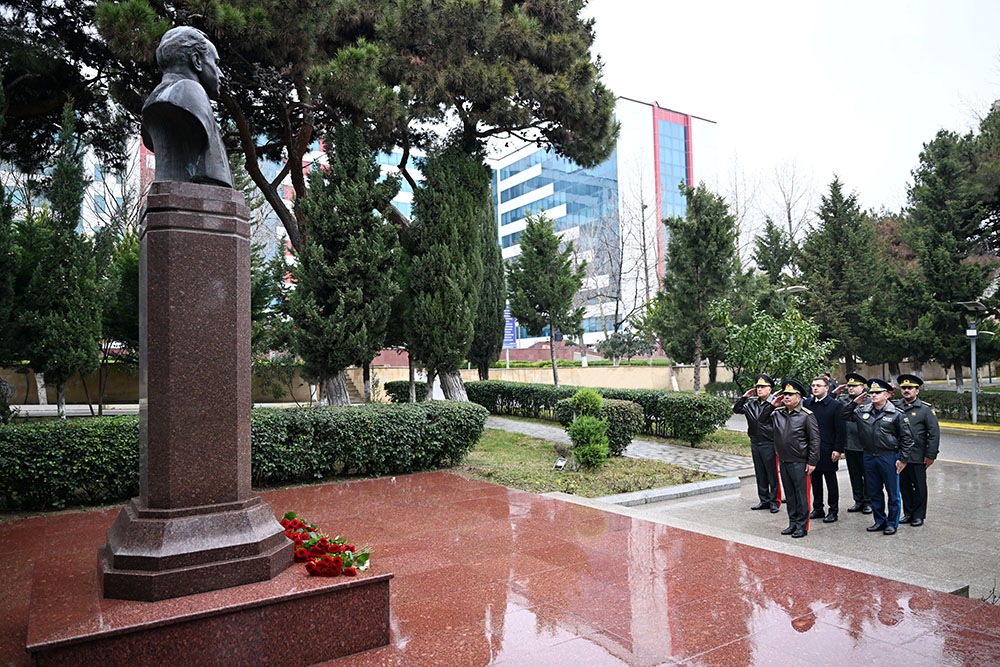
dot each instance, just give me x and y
(928, 404)
(807, 411)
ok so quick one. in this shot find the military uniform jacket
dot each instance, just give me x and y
(760, 433)
(852, 441)
(923, 424)
(881, 434)
(796, 433)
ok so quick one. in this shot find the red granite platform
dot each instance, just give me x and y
(489, 575)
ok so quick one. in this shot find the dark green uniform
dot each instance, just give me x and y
(923, 423)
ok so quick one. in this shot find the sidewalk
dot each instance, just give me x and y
(702, 460)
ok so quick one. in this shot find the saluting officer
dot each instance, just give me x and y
(765, 465)
(796, 441)
(854, 452)
(887, 441)
(923, 422)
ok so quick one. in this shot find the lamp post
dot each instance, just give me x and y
(975, 307)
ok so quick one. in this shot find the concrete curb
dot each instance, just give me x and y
(962, 426)
(671, 492)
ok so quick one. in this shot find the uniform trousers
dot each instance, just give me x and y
(833, 490)
(913, 490)
(765, 469)
(883, 482)
(856, 470)
(795, 481)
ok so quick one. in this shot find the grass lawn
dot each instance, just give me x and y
(522, 462)
(723, 440)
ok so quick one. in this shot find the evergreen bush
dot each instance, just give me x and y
(45, 465)
(590, 440)
(624, 420)
(398, 391)
(587, 402)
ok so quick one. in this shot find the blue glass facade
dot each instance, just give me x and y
(673, 151)
(588, 194)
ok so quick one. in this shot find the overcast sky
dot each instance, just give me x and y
(848, 87)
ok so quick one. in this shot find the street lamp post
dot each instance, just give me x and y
(975, 307)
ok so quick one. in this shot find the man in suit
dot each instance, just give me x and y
(831, 437)
(765, 465)
(922, 419)
(796, 441)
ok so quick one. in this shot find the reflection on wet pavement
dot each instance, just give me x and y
(490, 575)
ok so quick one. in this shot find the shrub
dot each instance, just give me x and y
(952, 405)
(398, 391)
(590, 440)
(587, 402)
(95, 460)
(729, 390)
(677, 414)
(624, 420)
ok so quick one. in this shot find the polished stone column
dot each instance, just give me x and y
(196, 524)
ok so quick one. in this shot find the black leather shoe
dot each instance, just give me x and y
(917, 522)
(774, 508)
(788, 531)
(799, 533)
(830, 518)
(817, 514)
(906, 519)
(761, 506)
(889, 530)
(856, 507)
(875, 527)
(867, 509)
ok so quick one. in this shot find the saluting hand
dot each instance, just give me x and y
(839, 389)
(749, 392)
(777, 401)
(861, 398)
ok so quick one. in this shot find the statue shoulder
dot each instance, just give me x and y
(184, 93)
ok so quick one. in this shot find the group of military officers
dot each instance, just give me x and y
(888, 447)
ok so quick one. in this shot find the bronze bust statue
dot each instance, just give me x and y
(178, 123)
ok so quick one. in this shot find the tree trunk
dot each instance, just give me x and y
(43, 398)
(894, 369)
(451, 384)
(583, 353)
(430, 385)
(335, 390)
(959, 380)
(713, 369)
(86, 392)
(552, 355)
(849, 363)
(697, 361)
(366, 373)
(918, 369)
(484, 370)
(61, 400)
(413, 377)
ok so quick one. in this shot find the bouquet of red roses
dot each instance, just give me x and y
(324, 556)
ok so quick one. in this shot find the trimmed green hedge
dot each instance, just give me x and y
(624, 419)
(96, 460)
(729, 390)
(952, 405)
(398, 391)
(676, 414)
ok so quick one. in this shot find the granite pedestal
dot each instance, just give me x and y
(196, 525)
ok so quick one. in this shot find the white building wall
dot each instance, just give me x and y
(706, 153)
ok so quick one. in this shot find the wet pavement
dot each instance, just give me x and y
(490, 575)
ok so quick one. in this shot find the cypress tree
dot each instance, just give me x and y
(61, 318)
(487, 338)
(446, 267)
(344, 285)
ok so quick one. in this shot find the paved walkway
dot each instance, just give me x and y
(702, 460)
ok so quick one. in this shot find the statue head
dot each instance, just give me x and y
(187, 52)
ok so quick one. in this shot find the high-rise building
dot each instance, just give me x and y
(611, 212)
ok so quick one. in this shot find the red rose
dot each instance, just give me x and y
(337, 561)
(301, 554)
(349, 547)
(328, 559)
(284, 523)
(336, 572)
(350, 571)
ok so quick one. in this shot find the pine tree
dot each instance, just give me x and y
(772, 251)
(487, 341)
(541, 284)
(344, 286)
(62, 313)
(700, 265)
(446, 267)
(947, 236)
(842, 267)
